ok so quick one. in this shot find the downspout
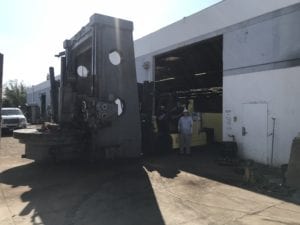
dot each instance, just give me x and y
(273, 135)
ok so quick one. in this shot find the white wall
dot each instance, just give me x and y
(280, 90)
(218, 16)
(34, 92)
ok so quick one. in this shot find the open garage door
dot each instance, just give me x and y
(191, 77)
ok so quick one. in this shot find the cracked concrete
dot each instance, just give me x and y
(169, 190)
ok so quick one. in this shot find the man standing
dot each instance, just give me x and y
(185, 128)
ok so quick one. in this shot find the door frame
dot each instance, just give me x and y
(264, 156)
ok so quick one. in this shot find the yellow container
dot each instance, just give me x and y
(213, 120)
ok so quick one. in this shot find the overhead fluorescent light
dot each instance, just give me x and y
(216, 89)
(166, 79)
(200, 74)
(161, 68)
(172, 58)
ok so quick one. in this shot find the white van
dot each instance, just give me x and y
(12, 118)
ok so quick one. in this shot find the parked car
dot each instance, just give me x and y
(12, 118)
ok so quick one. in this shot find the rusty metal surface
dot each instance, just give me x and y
(98, 93)
(100, 70)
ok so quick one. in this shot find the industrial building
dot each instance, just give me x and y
(239, 64)
(38, 98)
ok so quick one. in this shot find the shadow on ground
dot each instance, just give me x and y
(205, 162)
(112, 193)
(83, 194)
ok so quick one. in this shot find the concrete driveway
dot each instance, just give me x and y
(162, 190)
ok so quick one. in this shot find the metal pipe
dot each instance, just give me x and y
(63, 82)
(94, 70)
(54, 92)
(273, 134)
(32, 88)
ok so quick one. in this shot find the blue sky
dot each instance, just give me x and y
(32, 31)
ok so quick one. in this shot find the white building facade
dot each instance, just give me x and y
(261, 70)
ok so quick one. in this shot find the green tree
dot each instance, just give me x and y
(14, 94)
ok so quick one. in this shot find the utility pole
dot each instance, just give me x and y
(1, 75)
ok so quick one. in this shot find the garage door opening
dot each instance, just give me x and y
(191, 77)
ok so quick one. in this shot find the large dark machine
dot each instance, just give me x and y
(97, 109)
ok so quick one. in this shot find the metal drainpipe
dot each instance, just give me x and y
(273, 134)
(32, 94)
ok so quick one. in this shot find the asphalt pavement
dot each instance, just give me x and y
(169, 189)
